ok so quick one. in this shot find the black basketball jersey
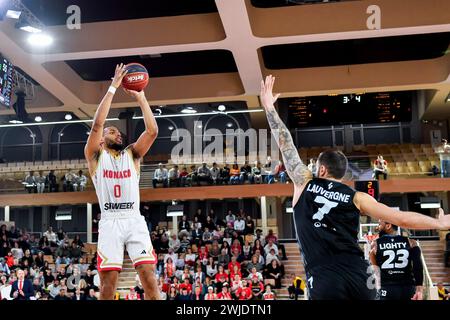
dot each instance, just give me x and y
(393, 260)
(327, 223)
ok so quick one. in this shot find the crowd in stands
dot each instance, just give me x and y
(49, 268)
(39, 183)
(215, 175)
(213, 259)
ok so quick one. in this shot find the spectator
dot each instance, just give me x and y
(256, 175)
(211, 295)
(443, 293)
(267, 169)
(268, 294)
(254, 274)
(198, 295)
(17, 251)
(224, 258)
(279, 172)
(444, 155)
(91, 295)
(132, 295)
(78, 241)
(160, 176)
(200, 217)
(173, 294)
(184, 225)
(69, 179)
(239, 226)
(225, 174)
(257, 288)
(184, 296)
(21, 289)
(230, 218)
(217, 233)
(249, 226)
(434, 171)
(9, 259)
(62, 255)
(211, 268)
(215, 174)
(197, 234)
(30, 182)
(275, 272)
(78, 296)
(244, 292)
(52, 182)
(254, 264)
(225, 293)
(270, 245)
(51, 236)
(221, 277)
(207, 236)
(271, 256)
(235, 271)
(204, 174)
(4, 268)
(245, 173)
(174, 177)
(235, 174)
(297, 288)
(192, 177)
(40, 182)
(199, 275)
(183, 176)
(174, 243)
(75, 252)
(5, 290)
(80, 181)
(62, 296)
(380, 167)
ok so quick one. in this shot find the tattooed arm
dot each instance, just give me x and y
(296, 169)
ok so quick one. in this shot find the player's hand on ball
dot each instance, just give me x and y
(266, 95)
(444, 220)
(135, 94)
(118, 75)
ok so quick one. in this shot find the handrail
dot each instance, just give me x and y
(430, 291)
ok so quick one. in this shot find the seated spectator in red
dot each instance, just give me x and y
(203, 253)
(190, 257)
(255, 275)
(9, 259)
(211, 295)
(169, 268)
(236, 271)
(236, 245)
(233, 263)
(268, 294)
(186, 285)
(244, 292)
(198, 294)
(132, 295)
(225, 294)
(271, 236)
(221, 277)
(236, 283)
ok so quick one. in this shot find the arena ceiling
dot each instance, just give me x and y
(212, 51)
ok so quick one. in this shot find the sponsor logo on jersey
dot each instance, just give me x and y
(144, 252)
(109, 174)
(119, 206)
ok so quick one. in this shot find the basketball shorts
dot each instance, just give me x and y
(117, 234)
(396, 292)
(341, 281)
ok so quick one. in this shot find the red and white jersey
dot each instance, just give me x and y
(211, 296)
(116, 182)
(268, 296)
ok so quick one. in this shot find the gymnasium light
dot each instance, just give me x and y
(15, 121)
(229, 124)
(13, 14)
(40, 39)
(38, 119)
(188, 110)
(68, 117)
(221, 108)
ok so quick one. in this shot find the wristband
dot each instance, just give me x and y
(112, 89)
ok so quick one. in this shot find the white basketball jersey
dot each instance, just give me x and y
(116, 182)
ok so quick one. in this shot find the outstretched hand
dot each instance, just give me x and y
(118, 75)
(266, 95)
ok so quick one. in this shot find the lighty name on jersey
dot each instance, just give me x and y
(116, 174)
(327, 194)
(394, 245)
(119, 206)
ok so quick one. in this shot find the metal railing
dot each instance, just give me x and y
(430, 291)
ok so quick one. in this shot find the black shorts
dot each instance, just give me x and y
(341, 281)
(396, 292)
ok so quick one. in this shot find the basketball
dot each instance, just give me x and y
(136, 78)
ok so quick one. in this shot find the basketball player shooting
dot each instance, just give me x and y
(326, 216)
(115, 174)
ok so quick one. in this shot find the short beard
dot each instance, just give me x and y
(116, 146)
(382, 233)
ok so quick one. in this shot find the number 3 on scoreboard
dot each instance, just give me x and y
(117, 191)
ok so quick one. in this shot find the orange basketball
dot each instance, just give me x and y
(136, 78)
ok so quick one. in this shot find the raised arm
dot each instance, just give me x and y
(146, 139)
(92, 147)
(405, 219)
(297, 171)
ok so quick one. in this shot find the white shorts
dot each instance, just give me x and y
(117, 234)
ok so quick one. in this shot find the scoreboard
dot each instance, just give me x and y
(370, 187)
(6, 81)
